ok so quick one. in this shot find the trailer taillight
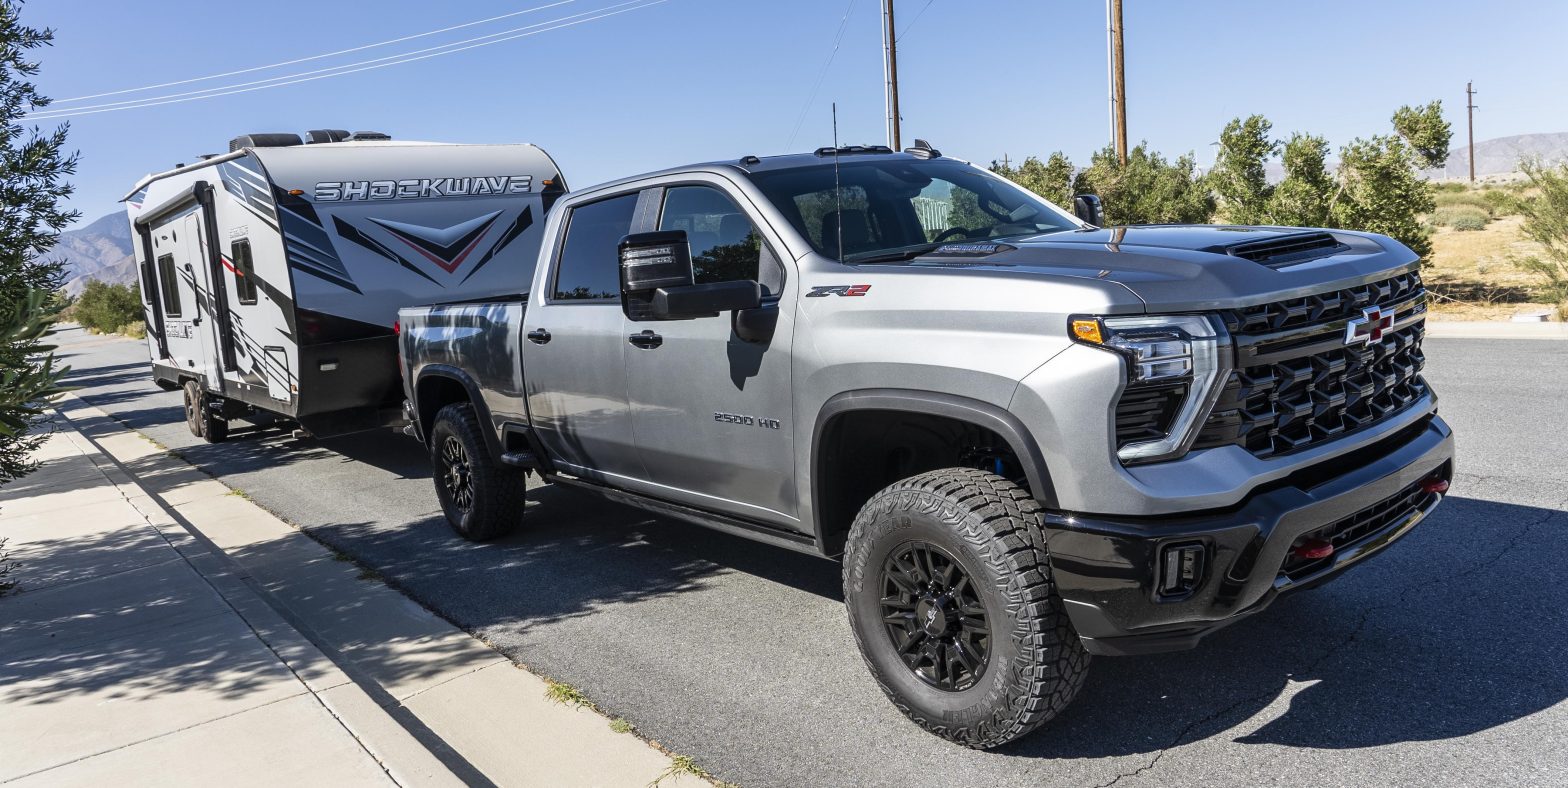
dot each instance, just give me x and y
(397, 328)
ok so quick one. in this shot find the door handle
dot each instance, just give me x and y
(646, 339)
(539, 336)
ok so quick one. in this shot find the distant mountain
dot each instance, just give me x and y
(101, 250)
(1501, 156)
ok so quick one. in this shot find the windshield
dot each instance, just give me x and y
(894, 209)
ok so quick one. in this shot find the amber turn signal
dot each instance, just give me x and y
(1088, 331)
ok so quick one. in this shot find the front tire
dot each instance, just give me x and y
(952, 604)
(481, 498)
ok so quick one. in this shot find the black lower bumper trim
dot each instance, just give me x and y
(1107, 570)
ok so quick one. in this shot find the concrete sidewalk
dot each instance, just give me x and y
(168, 631)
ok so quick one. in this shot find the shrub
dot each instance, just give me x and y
(1546, 222)
(1501, 202)
(1460, 217)
(1466, 198)
(104, 307)
(134, 330)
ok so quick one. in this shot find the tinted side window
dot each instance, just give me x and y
(169, 285)
(244, 272)
(589, 268)
(725, 246)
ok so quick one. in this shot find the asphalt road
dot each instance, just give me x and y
(1443, 662)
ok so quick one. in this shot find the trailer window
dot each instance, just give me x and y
(244, 272)
(589, 269)
(169, 286)
(725, 245)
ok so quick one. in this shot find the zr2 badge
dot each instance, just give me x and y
(823, 291)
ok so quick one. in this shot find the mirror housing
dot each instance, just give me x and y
(707, 300)
(659, 283)
(650, 261)
(1089, 209)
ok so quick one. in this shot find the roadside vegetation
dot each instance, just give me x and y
(1488, 251)
(105, 308)
(33, 168)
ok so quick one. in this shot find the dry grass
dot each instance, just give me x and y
(1472, 277)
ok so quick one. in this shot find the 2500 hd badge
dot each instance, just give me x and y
(750, 421)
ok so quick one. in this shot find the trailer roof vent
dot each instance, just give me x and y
(363, 136)
(318, 136)
(263, 141)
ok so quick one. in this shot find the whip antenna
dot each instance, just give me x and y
(838, 192)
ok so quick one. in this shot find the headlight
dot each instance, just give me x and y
(1174, 372)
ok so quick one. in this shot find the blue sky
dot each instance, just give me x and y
(691, 80)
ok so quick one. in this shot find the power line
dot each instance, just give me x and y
(48, 113)
(837, 39)
(305, 76)
(388, 42)
(916, 18)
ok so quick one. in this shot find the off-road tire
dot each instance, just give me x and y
(215, 428)
(494, 505)
(993, 528)
(193, 408)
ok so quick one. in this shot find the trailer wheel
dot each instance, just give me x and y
(193, 408)
(952, 604)
(482, 498)
(215, 428)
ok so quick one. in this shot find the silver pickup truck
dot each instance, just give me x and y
(1030, 439)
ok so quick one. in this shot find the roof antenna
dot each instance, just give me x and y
(838, 193)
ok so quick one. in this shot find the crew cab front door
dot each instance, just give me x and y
(575, 344)
(711, 411)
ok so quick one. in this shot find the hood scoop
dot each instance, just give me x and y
(1284, 250)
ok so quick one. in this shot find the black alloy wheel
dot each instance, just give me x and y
(935, 617)
(458, 478)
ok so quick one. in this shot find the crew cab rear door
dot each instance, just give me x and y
(713, 412)
(575, 344)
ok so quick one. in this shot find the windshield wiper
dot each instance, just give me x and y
(897, 255)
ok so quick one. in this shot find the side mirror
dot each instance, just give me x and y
(1089, 209)
(658, 282)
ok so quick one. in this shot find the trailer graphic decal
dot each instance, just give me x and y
(523, 221)
(417, 188)
(447, 247)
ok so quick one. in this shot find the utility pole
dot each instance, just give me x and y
(1007, 163)
(1118, 82)
(890, 73)
(1470, 115)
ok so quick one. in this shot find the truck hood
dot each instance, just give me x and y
(1193, 267)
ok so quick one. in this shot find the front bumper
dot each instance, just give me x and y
(1108, 573)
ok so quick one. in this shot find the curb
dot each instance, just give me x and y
(433, 703)
(1494, 329)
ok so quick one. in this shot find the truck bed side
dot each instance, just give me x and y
(470, 351)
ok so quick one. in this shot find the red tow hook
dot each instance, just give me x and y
(1314, 549)
(1435, 485)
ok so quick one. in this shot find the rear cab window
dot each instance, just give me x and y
(588, 268)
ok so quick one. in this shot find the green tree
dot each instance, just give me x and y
(1051, 179)
(1425, 131)
(1545, 212)
(33, 167)
(1148, 189)
(1240, 178)
(1302, 199)
(1380, 192)
(107, 308)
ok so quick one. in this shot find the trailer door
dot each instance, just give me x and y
(197, 274)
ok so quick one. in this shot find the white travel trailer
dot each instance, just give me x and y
(272, 275)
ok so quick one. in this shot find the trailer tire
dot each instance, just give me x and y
(193, 409)
(215, 428)
(951, 565)
(482, 498)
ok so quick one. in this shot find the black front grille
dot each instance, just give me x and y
(1357, 527)
(1298, 384)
